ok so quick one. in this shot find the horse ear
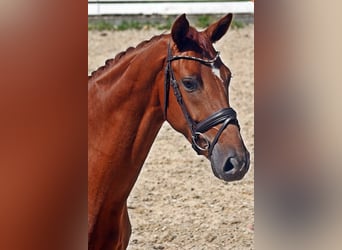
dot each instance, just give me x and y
(179, 30)
(217, 30)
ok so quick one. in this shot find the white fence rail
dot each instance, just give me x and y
(167, 8)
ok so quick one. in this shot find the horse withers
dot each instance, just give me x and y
(177, 77)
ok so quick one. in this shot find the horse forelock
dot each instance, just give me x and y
(121, 55)
(199, 42)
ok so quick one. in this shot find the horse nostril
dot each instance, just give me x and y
(229, 164)
(233, 163)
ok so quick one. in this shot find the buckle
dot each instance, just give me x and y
(200, 142)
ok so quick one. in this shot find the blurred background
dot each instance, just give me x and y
(297, 131)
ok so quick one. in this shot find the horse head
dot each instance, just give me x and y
(199, 107)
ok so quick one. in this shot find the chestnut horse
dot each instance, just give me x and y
(129, 99)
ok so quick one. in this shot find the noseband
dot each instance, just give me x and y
(225, 116)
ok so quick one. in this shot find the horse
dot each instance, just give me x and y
(177, 77)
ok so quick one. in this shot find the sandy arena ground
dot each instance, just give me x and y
(177, 202)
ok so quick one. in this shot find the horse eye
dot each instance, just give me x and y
(190, 84)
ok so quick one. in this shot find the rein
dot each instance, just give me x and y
(226, 115)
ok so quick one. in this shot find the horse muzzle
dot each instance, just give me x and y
(230, 164)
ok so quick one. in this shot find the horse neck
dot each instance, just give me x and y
(125, 115)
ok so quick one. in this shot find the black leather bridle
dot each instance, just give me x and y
(225, 116)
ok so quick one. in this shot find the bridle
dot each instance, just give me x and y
(225, 116)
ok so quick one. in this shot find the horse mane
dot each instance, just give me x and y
(112, 61)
